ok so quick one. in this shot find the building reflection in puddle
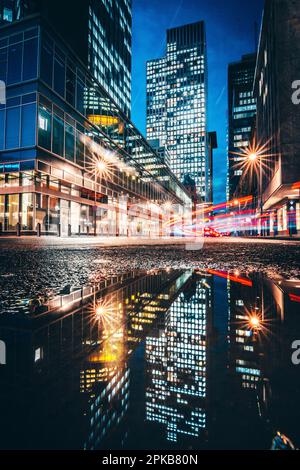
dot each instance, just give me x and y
(176, 362)
(160, 359)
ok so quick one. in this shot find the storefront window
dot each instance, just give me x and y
(41, 213)
(2, 212)
(285, 219)
(13, 211)
(54, 214)
(27, 212)
(75, 217)
(85, 223)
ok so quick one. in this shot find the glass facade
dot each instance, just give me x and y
(241, 116)
(104, 28)
(177, 363)
(110, 48)
(57, 122)
(177, 104)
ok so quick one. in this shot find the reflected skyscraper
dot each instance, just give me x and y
(177, 361)
(155, 359)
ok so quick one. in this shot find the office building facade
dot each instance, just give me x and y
(278, 117)
(99, 32)
(177, 364)
(241, 116)
(177, 104)
(56, 125)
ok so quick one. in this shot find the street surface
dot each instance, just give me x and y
(31, 268)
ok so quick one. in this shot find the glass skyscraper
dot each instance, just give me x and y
(58, 121)
(99, 32)
(176, 355)
(241, 116)
(177, 104)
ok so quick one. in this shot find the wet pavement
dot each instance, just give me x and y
(36, 269)
(160, 359)
(148, 347)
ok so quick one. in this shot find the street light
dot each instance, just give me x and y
(255, 323)
(252, 157)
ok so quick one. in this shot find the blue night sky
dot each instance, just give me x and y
(230, 29)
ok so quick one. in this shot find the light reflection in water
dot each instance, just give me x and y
(160, 359)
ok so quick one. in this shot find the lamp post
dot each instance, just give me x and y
(252, 159)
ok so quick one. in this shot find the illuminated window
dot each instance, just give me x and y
(7, 14)
(38, 354)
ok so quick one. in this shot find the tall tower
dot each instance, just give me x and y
(241, 116)
(177, 104)
(98, 31)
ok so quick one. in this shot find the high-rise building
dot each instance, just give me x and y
(98, 31)
(278, 117)
(177, 104)
(241, 115)
(57, 123)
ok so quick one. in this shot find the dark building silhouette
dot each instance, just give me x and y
(278, 116)
(241, 115)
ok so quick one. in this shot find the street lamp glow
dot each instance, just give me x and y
(168, 205)
(254, 322)
(253, 160)
(99, 312)
(101, 166)
(252, 157)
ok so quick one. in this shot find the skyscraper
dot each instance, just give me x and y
(177, 104)
(98, 31)
(241, 115)
(177, 363)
